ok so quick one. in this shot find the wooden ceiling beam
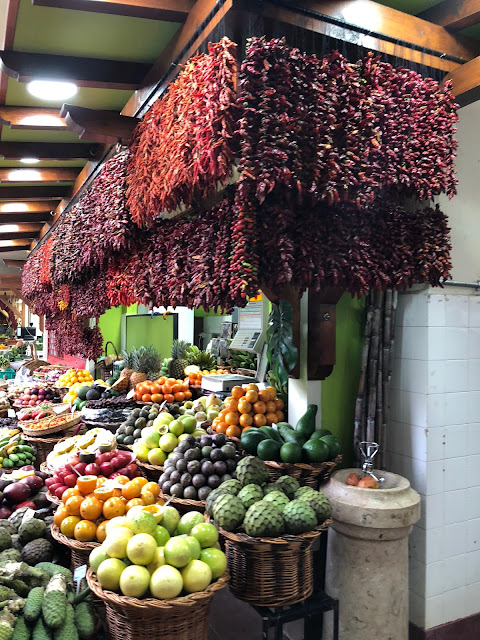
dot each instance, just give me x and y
(166, 10)
(94, 73)
(33, 193)
(453, 15)
(26, 227)
(74, 151)
(19, 235)
(23, 247)
(14, 264)
(60, 174)
(31, 118)
(466, 82)
(107, 127)
(25, 218)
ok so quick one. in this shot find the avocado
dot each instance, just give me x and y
(82, 393)
(271, 433)
(268, 450)
(111, 381)
(306, 424)
(250, 439)
(93, 394)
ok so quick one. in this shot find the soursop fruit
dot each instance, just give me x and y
(304, 491)
(36, 551)
(319, 503)
(6, 524)
(278, 499)
(250, 494)
(228, 512)
(263, 520)
(212, 497)
(32, 529)
(231, 486)
(5, 540)
(10, 555)
(251, 470)
(288, 485)
(299, 517)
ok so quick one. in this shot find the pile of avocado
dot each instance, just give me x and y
(95, 392)
(284, 443)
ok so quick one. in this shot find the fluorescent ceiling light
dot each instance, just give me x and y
(51, 89)
(7, 243)
(24, 175)
(42, 121)
(14, 207)
(29, 160)
(9, 228)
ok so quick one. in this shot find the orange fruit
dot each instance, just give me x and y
(87, 484)
(134, 502)
(237, 392)
(161, 380)
(176, 388)
(251, 396)
(152, 487)
(148, 497)
(233, 431)
(271, 406)
(103, 493)
(85, 531)
(232, 418)
(140, 481)
(279, 404)
(179, 396)
(131, 490)
(166, 389)
(259, 420)
(122, 479)
(280, 416)
(91, 509)
(68, 525)
(60, 514)
(169, 397)
(271, 418)
(146, 397)
(270, 393)
(260, 407)
(101, 481)
(252, 387)
(113, 507)
(222, 413)
(188, 395)
(231, 404)
(68, 493)
(244, 406)
(222, 427)
(73, 504)
(101, 534)
(246, 420)
(157, 397)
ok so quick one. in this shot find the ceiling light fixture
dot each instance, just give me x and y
(9, 228)
(51, 89)
(29, 160)
(14, 207)
(7, 243)
(42, 121)
(24, 175)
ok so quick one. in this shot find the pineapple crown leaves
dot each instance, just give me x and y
(180, 349)
(145, 359)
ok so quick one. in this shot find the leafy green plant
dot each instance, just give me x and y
(282, 354)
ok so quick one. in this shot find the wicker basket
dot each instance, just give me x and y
(61, 427)
(184, 506)
(150, 471)
(44, 468)
(271, 572)
(43, 446)
(106, 366)
(308, 475)
(184, 618)
(53, 499)
(80, 550)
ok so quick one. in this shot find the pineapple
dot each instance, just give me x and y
(202, 359)
(145, 360)
(127, 365)
(176, 368)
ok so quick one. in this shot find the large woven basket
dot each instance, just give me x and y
(150, 471)
(49, 427)
(79, 550)
(43, 446)
(182, 505)
(184, 618)
(308, 475)
(271, 572)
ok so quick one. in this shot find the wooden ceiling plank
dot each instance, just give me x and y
(42, 192)
(22, 228)
(24, 247)
(466, 82)
(107, 127)
(24, 218)
(60, 174)
(22, 118)
(19, 235)
(73, 151)
(85, 72)
(453, 15)
(166, 10)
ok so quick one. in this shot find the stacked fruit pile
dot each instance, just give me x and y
(93, 501)
(159, 555)
(23, 488)
(168, 389)
(15, 452)
(130, 431)
(73, 376)
(95, 440)
(199, 465)
(195, 374)
(249, 407)
(33, 396)
(266, 510)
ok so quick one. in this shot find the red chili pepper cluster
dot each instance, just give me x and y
(45, 255)
(183, 147)
(121, 279)
(68, 335)
(89, 299)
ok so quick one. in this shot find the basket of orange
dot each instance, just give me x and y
(168, 389)
(80, 522)
(248, 407)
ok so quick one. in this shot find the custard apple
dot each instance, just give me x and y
(212, 496)
(10, 555)
(32, 529)
(270, 488)
(263, 520)
(251, 470)
(16, 542)
(250, 494)
(6, 524)
(299, 517)
(36, 551)
(304, 491)
(288, 485)
(278, 499)
(228, 512)
(231, 486)
(5, 539)
(319, 503)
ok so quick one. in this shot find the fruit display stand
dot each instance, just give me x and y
(150, 471)
(80, 551)
(182, 505)
(43, 446)
(53, 424)
(308, 475)
(181, 618)
(271, 572)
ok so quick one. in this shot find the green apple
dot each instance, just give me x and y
(188, 404)
(163, 418)
(170, 519)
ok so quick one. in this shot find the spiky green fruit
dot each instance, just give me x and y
(319, 503)
(251, 470)
(250, 494)
(277, 499)
(288, 485)
(263, 520)
(228, 512)
(299, 517)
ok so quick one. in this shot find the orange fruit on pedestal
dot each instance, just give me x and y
(251, 396)
(68, 525)
(101, 533)
(85, 531)
(279, 404)
(232, 418)
(246, 420)
(259, 420)
(60, 514)
(280, 416)
(73, 504)
(260, 407)
(231, 404)
(233, 431)
(113, 508)
(244, 406)
(87, 484)
(91, 509)
(237, 392)
(271, 418)
(271, 406)
(252, 387)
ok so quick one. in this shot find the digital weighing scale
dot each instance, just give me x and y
(250, 336)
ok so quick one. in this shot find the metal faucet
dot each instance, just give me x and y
(369, 451)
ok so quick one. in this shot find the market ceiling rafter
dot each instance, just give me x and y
(166, 10)
(48, 150)
(31, 118)
(453, 15)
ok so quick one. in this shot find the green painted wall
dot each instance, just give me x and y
(145, 330)
(109, 325)
(339, 390)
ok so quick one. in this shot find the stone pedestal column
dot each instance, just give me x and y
(367, 556)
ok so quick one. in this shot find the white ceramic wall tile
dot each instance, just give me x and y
(472, 598)
(407, 440)
(436, 442)
(433, 508)
(474, 375)
(434, 579)
(473, 406)
(455, 540)
(455, 506)
(456, 408)
(417, 542)
(456, 311)
(434, 550)
(416, 471)
(473, 568)
(436, 410)
(455, 440)
(456, 374)
(412, 343)
(455, 604)
(455, 476)
(455, 575)
(436, 310)
(473, 441)
(436, 376)
(412, 310)
(474, 311)
(473, 535)
(474, 343)
(416, 609)
(417, 576)
(473, 503)
(473, 467)
(447, 343)
(408, 408)
(410, 375)
(434, 611)
(395, 380)
(435, 477)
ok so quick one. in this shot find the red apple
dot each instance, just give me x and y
(60, 491)
(80, 468)
(50, 481)
(106, 469)
(92, 469)
(101, 458)
(71, 480)
(5, 513)
(53, 487)
(110, 455)
(117, 462)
